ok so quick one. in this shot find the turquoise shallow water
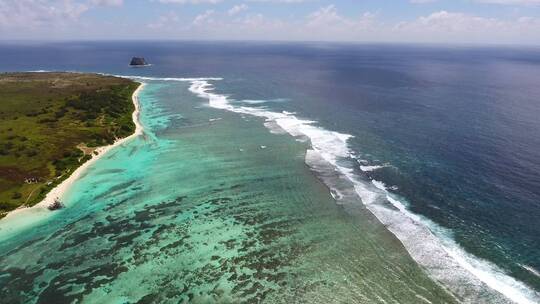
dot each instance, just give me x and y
(208, 207)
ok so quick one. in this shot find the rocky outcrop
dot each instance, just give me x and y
(138, 61)
(56, 205)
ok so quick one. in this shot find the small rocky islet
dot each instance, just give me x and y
(138, 61)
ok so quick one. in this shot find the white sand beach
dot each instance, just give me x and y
(59, 190)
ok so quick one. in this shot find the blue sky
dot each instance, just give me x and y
(438, 21)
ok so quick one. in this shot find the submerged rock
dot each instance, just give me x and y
(138, 61)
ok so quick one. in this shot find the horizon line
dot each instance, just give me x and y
(276, 41)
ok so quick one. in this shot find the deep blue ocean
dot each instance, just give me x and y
(453, 133)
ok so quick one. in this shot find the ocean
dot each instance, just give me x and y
(296, 173)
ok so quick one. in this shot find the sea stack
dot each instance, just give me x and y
(138, 61)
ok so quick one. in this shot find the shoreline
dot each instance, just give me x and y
(60, 189)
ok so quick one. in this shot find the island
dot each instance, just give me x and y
(51, 124)
(138, 61)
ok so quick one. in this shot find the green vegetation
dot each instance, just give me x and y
(49, 123)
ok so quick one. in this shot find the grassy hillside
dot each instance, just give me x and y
(49, 124)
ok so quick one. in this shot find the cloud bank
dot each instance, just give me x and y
(75, 19)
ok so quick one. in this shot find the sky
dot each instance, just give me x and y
(410, 21)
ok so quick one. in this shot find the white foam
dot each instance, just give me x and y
(274, 127)
(262, 101)
(379, 185)
(249, 101)
(429, 244)
(179, 79)
(140, 65)
(531, 270)
(454, 256)
(371, 168)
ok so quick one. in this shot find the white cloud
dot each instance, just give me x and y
(190, 1)
(327, 17)
(31, 14)
(510, 2)
(422, 1)
(17, 14)
(47, 19)
(328, 24)
(107, 2)
(164, 21)
(446, 26)
(280, 1)
(204, 18)
(237, 9)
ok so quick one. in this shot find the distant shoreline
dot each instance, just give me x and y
(60, 190)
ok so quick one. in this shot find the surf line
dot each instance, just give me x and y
(441, 256)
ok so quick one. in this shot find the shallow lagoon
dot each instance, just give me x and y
(196, 210)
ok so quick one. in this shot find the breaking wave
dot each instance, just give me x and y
(470, 279)
(261, 101)
(169, 78)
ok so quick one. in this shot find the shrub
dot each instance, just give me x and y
(31, 153)
(4, 206)
(16, 195)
